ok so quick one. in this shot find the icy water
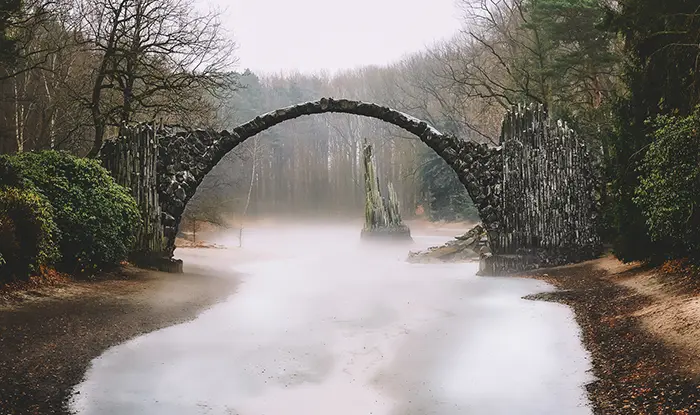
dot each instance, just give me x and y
(326, 325)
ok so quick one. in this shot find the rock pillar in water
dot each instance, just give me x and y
(382, 216)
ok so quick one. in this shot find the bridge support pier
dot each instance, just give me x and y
(548, 209)
(158, 261)
(132, 160)
(502, 265)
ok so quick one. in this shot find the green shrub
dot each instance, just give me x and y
(27, 233)
(669, 189)
(96, 218)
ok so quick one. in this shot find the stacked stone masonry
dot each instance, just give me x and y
(534, 192)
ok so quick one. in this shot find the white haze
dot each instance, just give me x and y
(322, 324)
(316, 35)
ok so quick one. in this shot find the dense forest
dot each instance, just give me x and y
(624, 73)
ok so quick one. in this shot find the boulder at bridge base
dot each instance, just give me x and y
(464, 248)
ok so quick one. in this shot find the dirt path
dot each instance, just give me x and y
(48, 339)
(644, 336)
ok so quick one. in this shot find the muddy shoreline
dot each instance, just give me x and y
(637, 371)
(49, 338)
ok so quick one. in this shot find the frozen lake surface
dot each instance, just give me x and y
(322, 324)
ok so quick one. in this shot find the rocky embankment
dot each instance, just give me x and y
(468, 247)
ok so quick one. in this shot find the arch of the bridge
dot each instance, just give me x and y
(186, 157)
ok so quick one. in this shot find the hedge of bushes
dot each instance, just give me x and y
(58, 209)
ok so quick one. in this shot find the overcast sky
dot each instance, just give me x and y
(314, 35)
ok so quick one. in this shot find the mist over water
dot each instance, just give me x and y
(324, 324)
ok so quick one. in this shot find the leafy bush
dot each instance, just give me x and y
(669, 189)
(96, 218)
(27, 233)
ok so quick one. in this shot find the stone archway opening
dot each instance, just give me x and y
(534, 193)
(191, 155)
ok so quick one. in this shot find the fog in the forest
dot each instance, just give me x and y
(324, 324)
(312, 166)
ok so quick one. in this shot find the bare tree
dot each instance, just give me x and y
(29, 26)
(514, 51)
(157, 58)
(28, 83)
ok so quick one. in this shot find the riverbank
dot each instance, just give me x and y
(642, 330)
(49, 335)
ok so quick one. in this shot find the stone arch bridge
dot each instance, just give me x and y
(534, 192)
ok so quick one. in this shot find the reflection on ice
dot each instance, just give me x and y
(326, 325)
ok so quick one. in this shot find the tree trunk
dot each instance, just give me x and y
(250, 191)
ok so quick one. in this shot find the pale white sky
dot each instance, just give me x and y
(314, 35)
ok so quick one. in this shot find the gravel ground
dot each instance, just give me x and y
(637, 372)
(49, 337)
